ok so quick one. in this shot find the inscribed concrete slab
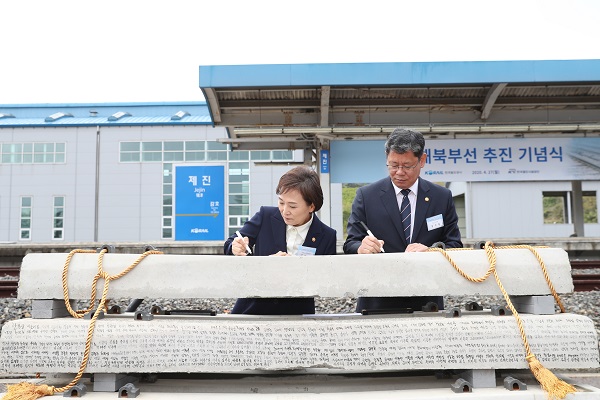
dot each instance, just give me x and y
(209, 276)
(354, 343)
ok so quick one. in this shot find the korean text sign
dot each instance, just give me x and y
(199, 202)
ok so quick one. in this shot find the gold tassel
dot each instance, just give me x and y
(27, 391)
(556, 388)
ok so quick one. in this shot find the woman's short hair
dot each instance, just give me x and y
(306, 181)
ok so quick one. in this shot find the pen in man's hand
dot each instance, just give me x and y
(241, 237)
(370, 233)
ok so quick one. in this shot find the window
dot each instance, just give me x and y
(26, 209)
(169, 151)
(12, 153)
(282, 155)
(260, 155)
(167, 202)
(28, 153)
(590, 208)
(216, 146)
(151, 151)
(173, 151)
(558, 207)
(194, 151)
(58, 218)
(129, 152)
(239, 198)
(43, 153)
(238, 155)
(272, 155)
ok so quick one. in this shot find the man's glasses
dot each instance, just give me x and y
(405, 168)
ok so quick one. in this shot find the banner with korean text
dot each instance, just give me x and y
(471, 160)
(199, 202)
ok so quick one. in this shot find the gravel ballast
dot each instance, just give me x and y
(584, 303)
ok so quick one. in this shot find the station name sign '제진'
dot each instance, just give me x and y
(199, 202)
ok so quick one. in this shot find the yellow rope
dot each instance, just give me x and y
(78, 313)
(544, 271)
(29, 391)
(556, 388)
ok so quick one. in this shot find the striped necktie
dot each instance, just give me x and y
(405, 214)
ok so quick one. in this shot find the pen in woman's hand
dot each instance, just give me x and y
(370, 233)
(241, 237)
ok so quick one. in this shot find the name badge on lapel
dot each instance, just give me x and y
(305, 251)
(435, 222)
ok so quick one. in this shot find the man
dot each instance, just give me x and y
(403, 213)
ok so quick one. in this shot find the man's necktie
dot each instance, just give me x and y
(405, 214)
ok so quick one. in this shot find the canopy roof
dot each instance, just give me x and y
(296, 105)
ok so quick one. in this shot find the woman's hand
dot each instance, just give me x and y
(238, 246)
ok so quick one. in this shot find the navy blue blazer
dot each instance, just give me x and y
(266, 232)
(376, 205)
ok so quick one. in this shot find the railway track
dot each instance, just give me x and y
(8, 283)
(586, 282)
(583, 282)
(8, 288)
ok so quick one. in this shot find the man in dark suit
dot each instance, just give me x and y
(403, 212)
(285, 230)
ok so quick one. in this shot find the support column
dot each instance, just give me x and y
(325, 182)
(577, 208)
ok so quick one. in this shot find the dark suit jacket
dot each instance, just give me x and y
(266, 232)
(376, 205)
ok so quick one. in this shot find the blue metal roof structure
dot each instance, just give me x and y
(104, 114)
(291, 103)
(401, 73)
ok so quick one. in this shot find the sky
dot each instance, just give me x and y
(83, 51)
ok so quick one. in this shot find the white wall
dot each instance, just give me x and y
(130, 195)
(515, 209)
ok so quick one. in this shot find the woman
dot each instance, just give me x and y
(292, 228)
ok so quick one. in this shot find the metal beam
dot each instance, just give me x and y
(368, 103)
(213, 103)
(490, 99)
(325, 92)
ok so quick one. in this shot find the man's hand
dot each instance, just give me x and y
(370, 245)
(414, 247)
(280, 254)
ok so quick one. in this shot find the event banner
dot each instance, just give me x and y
(471, 160)
(522, 159)
(199, 202)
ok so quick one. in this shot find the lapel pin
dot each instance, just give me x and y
(426, 198)
(314, 240)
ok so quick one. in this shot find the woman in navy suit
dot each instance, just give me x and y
(286, 230)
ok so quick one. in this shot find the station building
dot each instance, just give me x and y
(518, 143)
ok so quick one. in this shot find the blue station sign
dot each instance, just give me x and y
(199, 202)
